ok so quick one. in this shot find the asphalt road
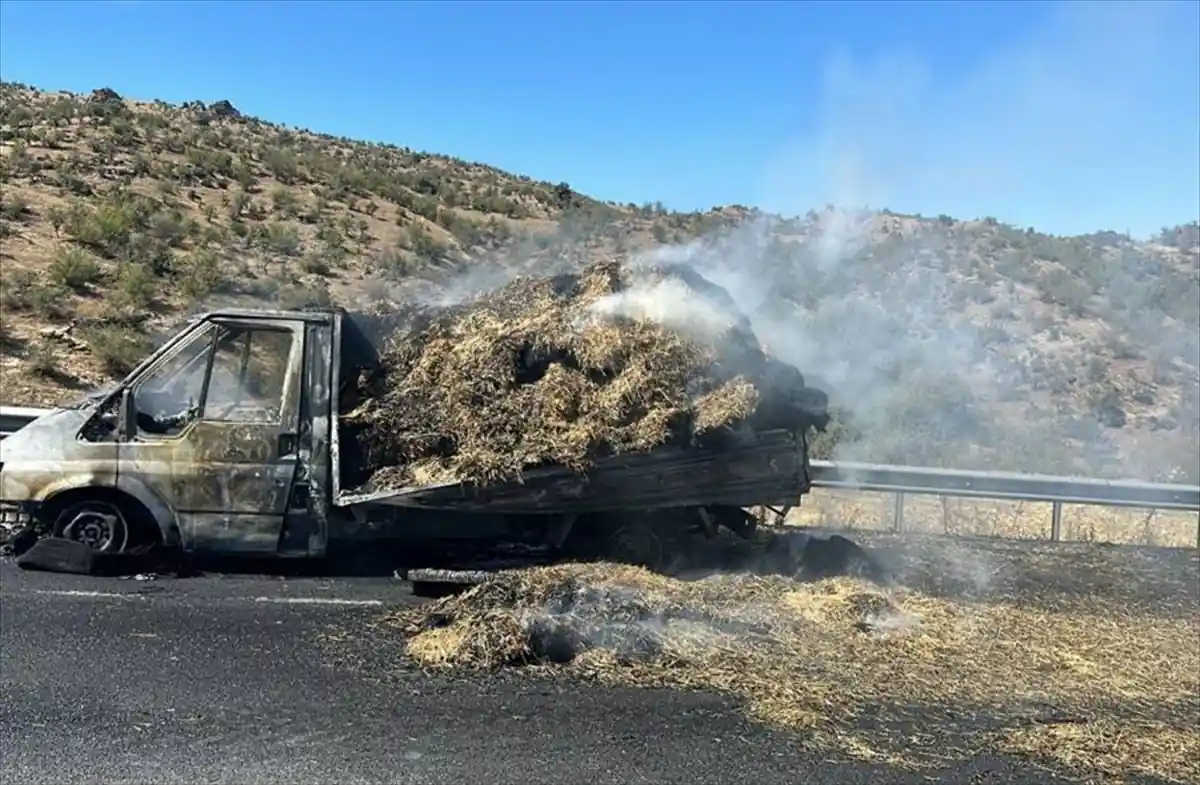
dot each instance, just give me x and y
(232, 679)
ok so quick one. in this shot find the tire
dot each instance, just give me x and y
(640, 539)
(101, 525)
(638, 544)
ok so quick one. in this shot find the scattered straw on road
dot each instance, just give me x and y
(890, 674)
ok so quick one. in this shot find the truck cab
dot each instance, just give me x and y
(216, 441)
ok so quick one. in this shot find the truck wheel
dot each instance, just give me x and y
(100, 525)
(628, 539)
(636, 543)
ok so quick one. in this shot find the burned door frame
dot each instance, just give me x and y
(228, 482)
(306, 528)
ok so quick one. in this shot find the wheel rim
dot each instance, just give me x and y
(98, 525)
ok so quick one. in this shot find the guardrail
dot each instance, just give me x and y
(903, 480)
(14, 418)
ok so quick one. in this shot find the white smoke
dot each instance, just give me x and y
(870, 305)
(669, 303)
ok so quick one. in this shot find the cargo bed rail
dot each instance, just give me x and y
(767, 468)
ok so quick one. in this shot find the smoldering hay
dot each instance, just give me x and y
(561, 370)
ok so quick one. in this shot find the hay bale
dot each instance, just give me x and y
(562, 370)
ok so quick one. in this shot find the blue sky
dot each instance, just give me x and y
(1068, 117)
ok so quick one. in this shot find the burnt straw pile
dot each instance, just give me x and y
(1088, 684)
(562, 370)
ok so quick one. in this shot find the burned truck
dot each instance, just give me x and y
(235, 437)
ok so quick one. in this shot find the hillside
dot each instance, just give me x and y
(967, 343)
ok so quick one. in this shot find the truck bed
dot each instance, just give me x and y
(769, 467)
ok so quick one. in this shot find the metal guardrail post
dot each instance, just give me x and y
(898, 512)
(1056, 512)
